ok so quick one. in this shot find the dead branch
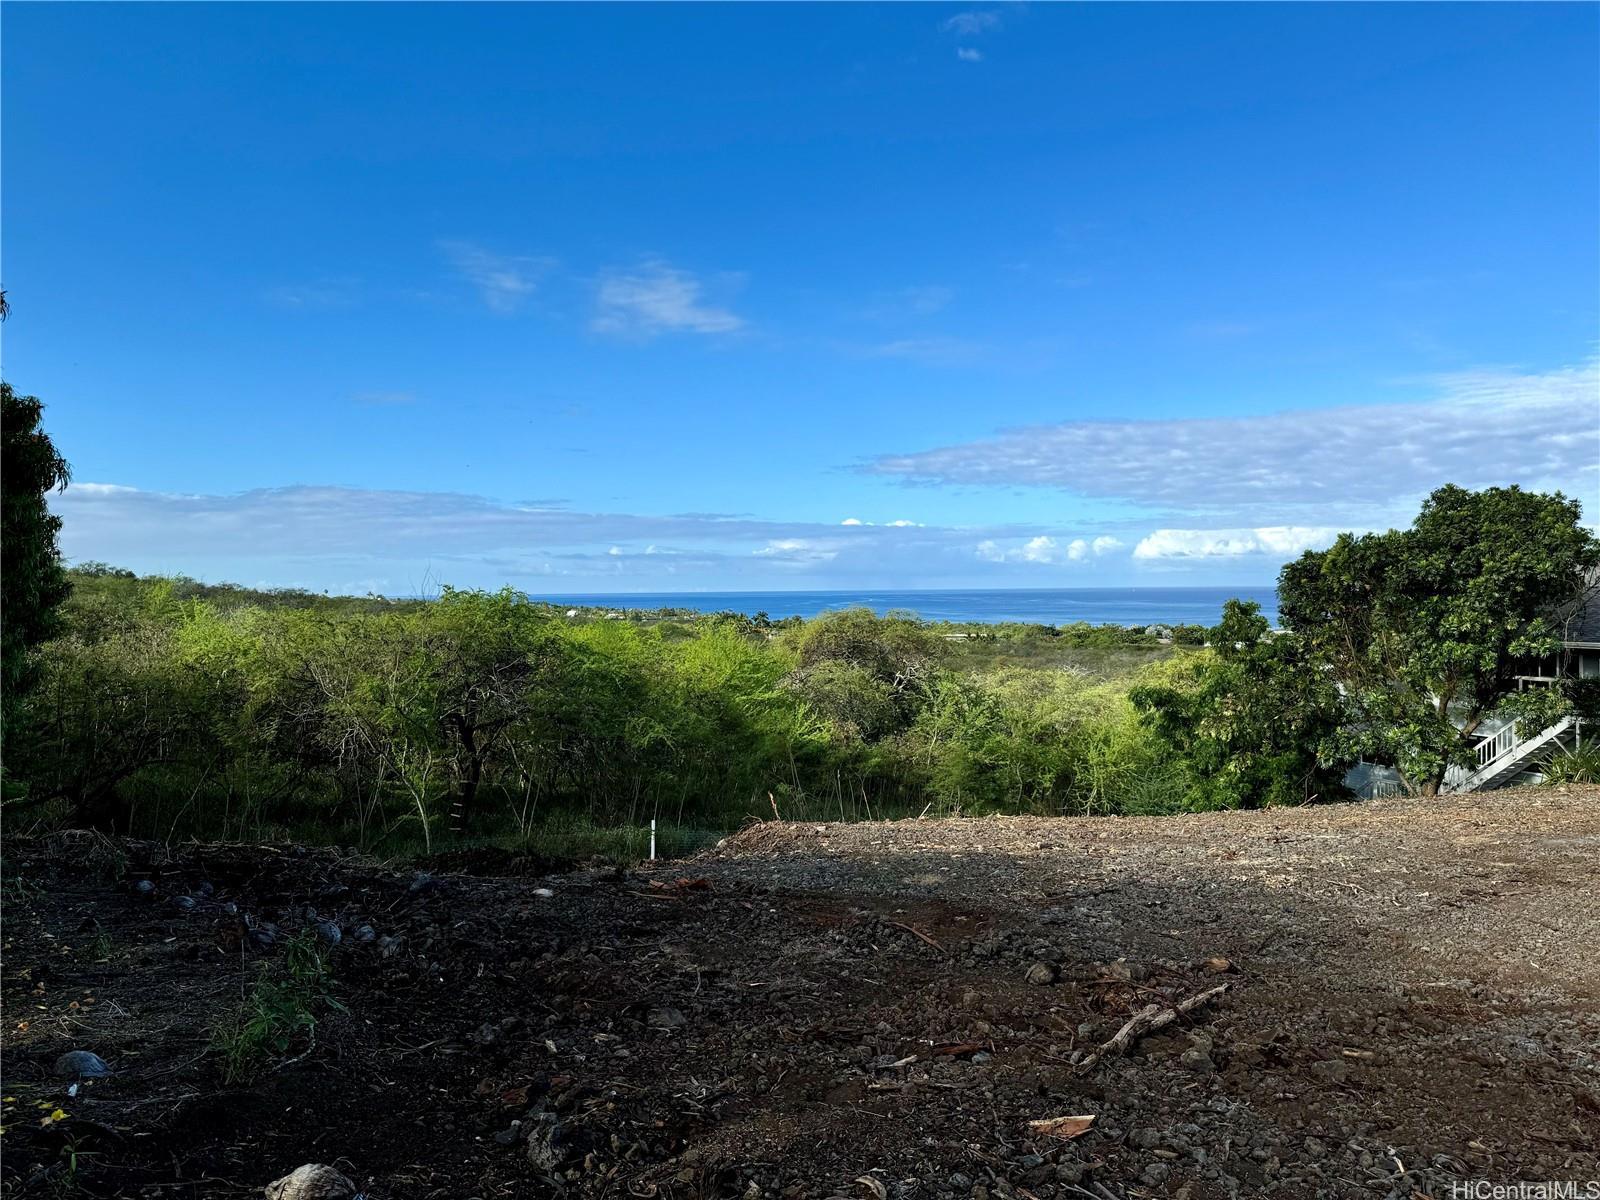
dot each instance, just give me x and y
(1146, 1021)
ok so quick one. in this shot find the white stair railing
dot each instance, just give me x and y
(1497, 744)
(1501, 748)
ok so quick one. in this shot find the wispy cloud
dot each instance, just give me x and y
(971, 23)
(655, 298)
(908, 303)
(1483, 427)
(931, 351)
(504, 281)
(798, 552)
(969, 54)
(318, 294)
(1278, 541)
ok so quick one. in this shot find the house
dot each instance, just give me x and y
(1503, 756)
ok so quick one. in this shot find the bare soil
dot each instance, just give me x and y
(870, 1010)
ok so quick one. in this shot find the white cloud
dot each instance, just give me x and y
(970, 24)
(657, 298)
(504, 281)
(1483, 427)
(1046, 550)
(969, 54)
(1279, 541)
(850, 521)
(798, 552)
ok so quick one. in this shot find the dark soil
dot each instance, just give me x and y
(869, 1011)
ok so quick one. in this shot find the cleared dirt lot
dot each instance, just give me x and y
(844, 1010)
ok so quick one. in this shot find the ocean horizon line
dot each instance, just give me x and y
(1139, 605)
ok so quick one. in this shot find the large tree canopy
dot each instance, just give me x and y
(32, 582)
(1253, 724)
(1422, 628)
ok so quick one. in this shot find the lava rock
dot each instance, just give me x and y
(666, 1017)
(1041, 974)
(81, 1064)
(313, 1181)
(547, 1147)
(1333, 1070)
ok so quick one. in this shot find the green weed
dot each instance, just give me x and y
(279, 1010)
(1579, 764)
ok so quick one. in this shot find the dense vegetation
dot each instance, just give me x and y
(170, 706)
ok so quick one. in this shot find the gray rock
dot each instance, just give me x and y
(1198, 1061)
(1041, 974)
(666, 1017)
(313, 1181)
(330, 933)
(183, 903)
(545, 1149)
(144, 888)
(1333, 1070)
(364, 934)
(81, 1064)
(1155, 1174)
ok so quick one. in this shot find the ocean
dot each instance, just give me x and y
(1045, 606)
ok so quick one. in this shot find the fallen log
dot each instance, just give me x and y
(1147, 1020)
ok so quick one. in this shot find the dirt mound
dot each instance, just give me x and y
(871, 1011)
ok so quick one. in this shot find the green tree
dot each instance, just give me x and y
(1421, 628)
(1255, 723)
(33, 583)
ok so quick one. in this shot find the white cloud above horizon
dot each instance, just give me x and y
(1355, 463)
(1045, 550)
(654, 298)
(1281, 542)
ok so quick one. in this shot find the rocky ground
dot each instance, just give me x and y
(871, 1011)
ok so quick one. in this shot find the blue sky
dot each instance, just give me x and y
(614, 297)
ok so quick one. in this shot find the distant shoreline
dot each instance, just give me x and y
(992, 606)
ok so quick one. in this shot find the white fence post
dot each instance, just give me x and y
(652, 839)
